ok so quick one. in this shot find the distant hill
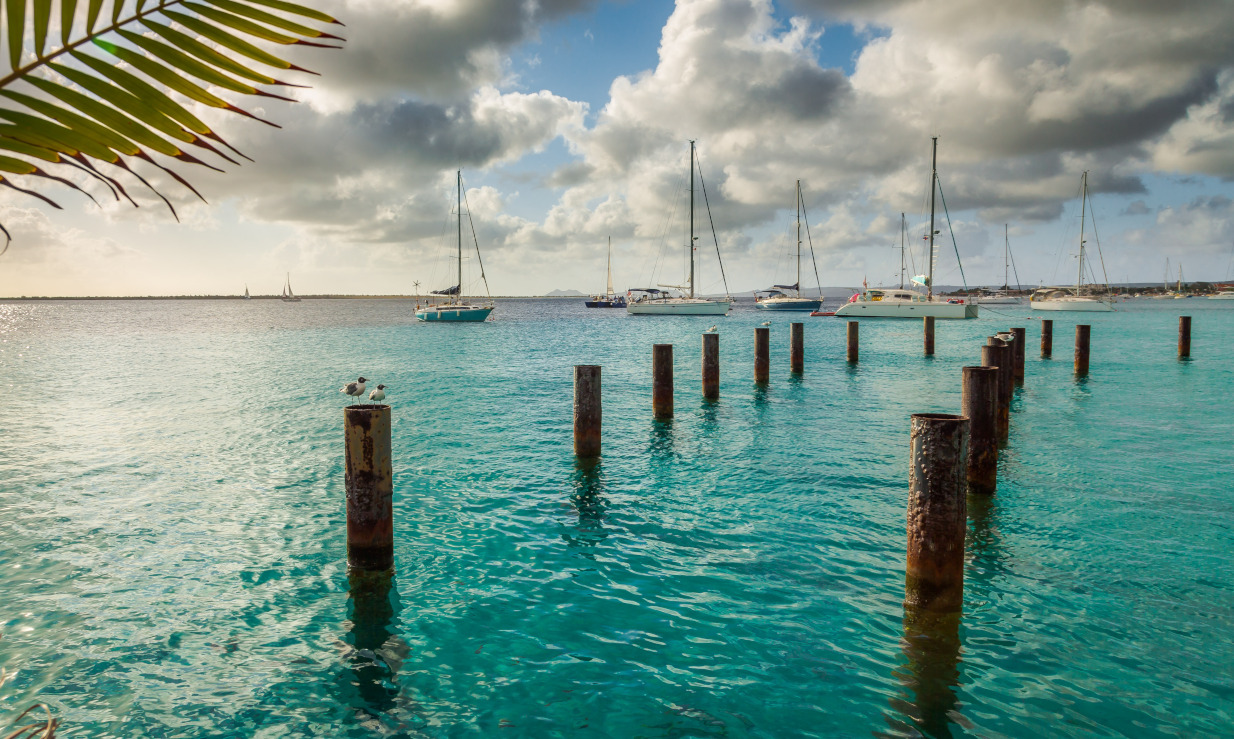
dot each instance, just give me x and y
(567, 294)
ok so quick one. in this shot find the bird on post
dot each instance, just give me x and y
(378, 394)
(714, 329)
(354, 389)
(765, 323)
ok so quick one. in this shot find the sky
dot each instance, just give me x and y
(571, 122)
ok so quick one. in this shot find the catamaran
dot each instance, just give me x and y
(1002, 296)
(288, 295)
(906, 303)
(1080, 297)
(455, 308)
(655, 302)
(608, 299)
(777, 298)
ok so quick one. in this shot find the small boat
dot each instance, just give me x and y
(288, 296)
(776, 298)
(1002, 296)
(608, 299)
(1078, 298)
(1223, 295)
(908, 303)
(820, 313)
(651, 301)
(455, 309)
(246, 293)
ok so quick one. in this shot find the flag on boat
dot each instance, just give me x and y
(921, 280)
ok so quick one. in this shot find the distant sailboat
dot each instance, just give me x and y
(1076, 298)
(1003, 296)
(246, 292)
(609, 299)
(455, 309)
(776, 298)
(288, 296)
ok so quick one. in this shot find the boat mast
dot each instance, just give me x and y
(610, 268)
(459, 293)
(1079, 282)
(799, 238)
(903, 231)
(691, 219)
(933, 189)
(1006, 259)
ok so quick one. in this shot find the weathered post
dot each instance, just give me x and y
(587, 411)
(796, 348)
(852, 341)
(1017, 361)
(762, 349)
(1047, 338)
(929, 336)
(662, 381)
(979, 403)
(937, 512)
(1082, 333)
(1184, 337)
(369, 482)
(711, 366)
(997, 354)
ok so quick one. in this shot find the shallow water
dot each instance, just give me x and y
(172, 541)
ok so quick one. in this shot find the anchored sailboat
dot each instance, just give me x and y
(776, 298)
(455, 308)
(288, 295)
(608, 299)
(246, 292)
(1080, 297)
(655, 302)
(1003, 296)
(907, 303)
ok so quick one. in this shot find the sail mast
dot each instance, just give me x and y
(903, 231)
(933, 189)
(1006, 259)
(1079, 281)
(798, 238)
(691, 219)
(610, 268)
(459, 293)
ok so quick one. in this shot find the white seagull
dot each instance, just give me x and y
(713, 329)
(765, 323)
(354, 389)
(378, 394)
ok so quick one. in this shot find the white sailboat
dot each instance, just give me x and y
(1003, 296)
(455, 309)
(776, 298)
(609, 299)
(655, 302)
(907, 303)
(1078, 298)
(246, 292)
(288, 296)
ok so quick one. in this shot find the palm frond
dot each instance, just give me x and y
(122, 81)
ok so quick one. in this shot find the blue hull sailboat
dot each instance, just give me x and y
(455, 309)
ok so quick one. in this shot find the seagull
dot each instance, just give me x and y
(765, 323)
(378, 394)
(713, 329)
(354, 389)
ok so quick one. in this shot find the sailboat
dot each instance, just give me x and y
(655, 302)
(907, 303)
(1076, 298)
(455, 309)
(1003, 296)
(288, 295)
(246, 292)
(776, 299)
(608, 299)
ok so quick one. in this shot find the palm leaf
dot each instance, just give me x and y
(64, 107)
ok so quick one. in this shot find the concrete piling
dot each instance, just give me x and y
(929, 336)
(711, 366)
(1017, 360)
(1184, 337)
(852, 341)
(762, 355)
(587, 411)
(796, 348)
(1047, 338)
(369, 483)
(662, 381)
(937, 512)
(997, 354)
(1082, 333)
(979, 403)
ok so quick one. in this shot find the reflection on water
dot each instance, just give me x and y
(928, 674)
(987, 555)
(589, 501)
(376, 651)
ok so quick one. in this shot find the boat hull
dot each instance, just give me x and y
(696, 307)
(999, 301)
(890, 309)
(1222, 296)
(605, 303)
(1074, 305)
(454, 314)
(789, 304)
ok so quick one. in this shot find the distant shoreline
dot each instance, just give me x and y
(29, 299)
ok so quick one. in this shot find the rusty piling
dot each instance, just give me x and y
(796, 348)
(587, 411)
(1184, 337)
(662, 381)
(852, 341)
(711, 366)
(929, 335)
(937, 513)
(979, 403)
(1082, 334)
(369, 483)
(762, 357)
(1017, 360)
(997, 354)
(1047, 338)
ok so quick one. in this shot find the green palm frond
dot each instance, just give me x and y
(123, 79)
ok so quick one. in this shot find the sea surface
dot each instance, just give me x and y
(172, 544)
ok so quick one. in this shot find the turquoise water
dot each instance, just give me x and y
(172, 543)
